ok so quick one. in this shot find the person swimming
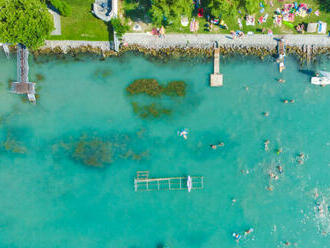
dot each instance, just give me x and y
(281, 80)
(279, 151)
(237, 236)
(213, 147)
(270, 188)
(221, 144)
(249, 231)
(280, 169)
(272, 175)
(266, 114)
(183, 133)
(292, 101)
(266, 143)
(285, 101)
(301, 155)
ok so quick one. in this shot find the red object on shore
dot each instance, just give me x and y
(200, 12)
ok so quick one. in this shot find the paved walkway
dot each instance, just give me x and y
(207, 40)
(57, 22)
(66, 44)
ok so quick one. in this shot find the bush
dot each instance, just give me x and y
(119, 27)
(63, 7)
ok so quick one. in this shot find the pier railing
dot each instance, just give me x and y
(142, 182)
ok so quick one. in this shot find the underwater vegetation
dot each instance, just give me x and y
(13, 146)
(151, 87)
(40, 77)
(92, 151)
(102, 73)
(97, 151)
(150, 110)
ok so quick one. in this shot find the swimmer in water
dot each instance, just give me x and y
(281, 80)
(266, 114)
(237, 236)
(183, 133)
(221, 144)
(280, 169)
(279, 151)
(301, 155)
(233, 201)
(248, 231)
(213, 147)
(285, 101)
(287, 243)
(266, 145)
(291, 101)
(270, 188)
(272, 175)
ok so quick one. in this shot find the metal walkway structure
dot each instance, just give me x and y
(142, 182)
(23, 86)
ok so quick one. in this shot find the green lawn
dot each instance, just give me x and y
(82, 24)
(134, 11)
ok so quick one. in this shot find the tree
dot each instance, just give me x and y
(63, 7)
(223, 7)
(119, 27)
(251, 6)
(24, 21)
(166, 12)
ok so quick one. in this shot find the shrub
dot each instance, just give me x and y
(119, 27)
(63, 7)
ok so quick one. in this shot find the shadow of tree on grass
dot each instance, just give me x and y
(324, 5)
(137, 10)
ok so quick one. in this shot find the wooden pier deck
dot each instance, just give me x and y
(216, 77)
(281, 50)
(142, 182)
(23, 86)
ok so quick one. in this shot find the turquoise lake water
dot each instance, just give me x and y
(48, 199)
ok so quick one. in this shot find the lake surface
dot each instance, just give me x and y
(49, 198)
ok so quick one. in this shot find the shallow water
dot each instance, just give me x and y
(48, 199)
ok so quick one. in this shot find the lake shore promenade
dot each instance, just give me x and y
(196, 41)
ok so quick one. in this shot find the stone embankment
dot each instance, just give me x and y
(195, 44)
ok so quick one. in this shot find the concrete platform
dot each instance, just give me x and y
(216, 80)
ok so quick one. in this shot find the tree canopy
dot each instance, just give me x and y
(24, 21)
(251, 6)
(170, 11)
(223, 7)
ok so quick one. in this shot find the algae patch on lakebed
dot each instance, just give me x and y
(98, 150)
(152, 88)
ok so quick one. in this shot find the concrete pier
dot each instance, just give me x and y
(216, 77)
